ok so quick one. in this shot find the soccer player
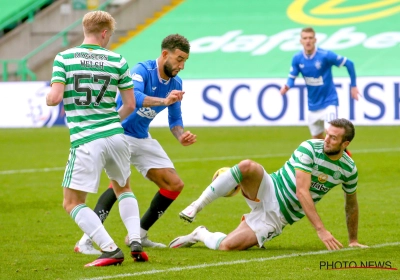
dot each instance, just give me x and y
(157, 87)
(285, 196)
(86, 79)
(315, 65)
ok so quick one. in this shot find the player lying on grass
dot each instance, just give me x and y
(285, 196)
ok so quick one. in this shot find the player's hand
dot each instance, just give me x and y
(356, 244)
(174, 96)
(329, 240)
(187, 138)
(355, 93)
(284, 89)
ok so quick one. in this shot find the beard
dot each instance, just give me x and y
(332, 152)
(168, 69)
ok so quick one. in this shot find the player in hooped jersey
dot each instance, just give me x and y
(86, 79)
(285, 196)
(157, 87)
(315, 65)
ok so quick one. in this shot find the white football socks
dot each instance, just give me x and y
(90, 223)
(129, 212)
(210, 239)
(224, 183)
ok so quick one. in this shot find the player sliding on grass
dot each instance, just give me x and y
(285, 196)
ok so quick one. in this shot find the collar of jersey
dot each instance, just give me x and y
(312, 55)
(91, 46)
(161, 80)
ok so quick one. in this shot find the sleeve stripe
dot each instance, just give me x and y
(343, 62)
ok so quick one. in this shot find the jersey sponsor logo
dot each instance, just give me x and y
(322, 178)
(331, 13)
(137, 77)
(147, 112)
(319, 187)
(311, 81)
(93, 56)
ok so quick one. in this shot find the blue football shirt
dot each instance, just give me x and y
(316, 70)
(147, 82)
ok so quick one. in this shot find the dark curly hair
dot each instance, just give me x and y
(175, 41)
(349, 131)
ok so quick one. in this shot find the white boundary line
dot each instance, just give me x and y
(192, 267)
(20, 171)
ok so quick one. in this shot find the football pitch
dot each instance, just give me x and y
(37, 236)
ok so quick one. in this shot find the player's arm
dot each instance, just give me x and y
(128, 103)
(125, 86)
(340, 61)
(56, 94)
(186, 138)
(294, 72)
(351, 209)
(352, 73)
(173, 96)
(303, 184)
(140, 77)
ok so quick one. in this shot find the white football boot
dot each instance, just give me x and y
(186, 240)
(86, 248)
(189, 213)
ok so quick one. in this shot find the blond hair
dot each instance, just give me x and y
(97, 21)
(308, 30)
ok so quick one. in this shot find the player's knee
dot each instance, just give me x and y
(247, 166)
(176, 185)
(226, 245)
(67, 205)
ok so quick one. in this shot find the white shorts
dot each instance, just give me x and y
(265, 218)
(86, 162)
(318, 120)
(146, 154)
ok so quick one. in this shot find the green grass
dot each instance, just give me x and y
(37, 236)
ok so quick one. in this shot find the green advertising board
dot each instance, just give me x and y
(257, 39)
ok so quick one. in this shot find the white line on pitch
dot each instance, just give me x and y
(192, 267)
(19, 171)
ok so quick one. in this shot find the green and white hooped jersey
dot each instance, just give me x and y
(92, 75)
(309, 157)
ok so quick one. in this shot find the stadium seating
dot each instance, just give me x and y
(19, 11)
